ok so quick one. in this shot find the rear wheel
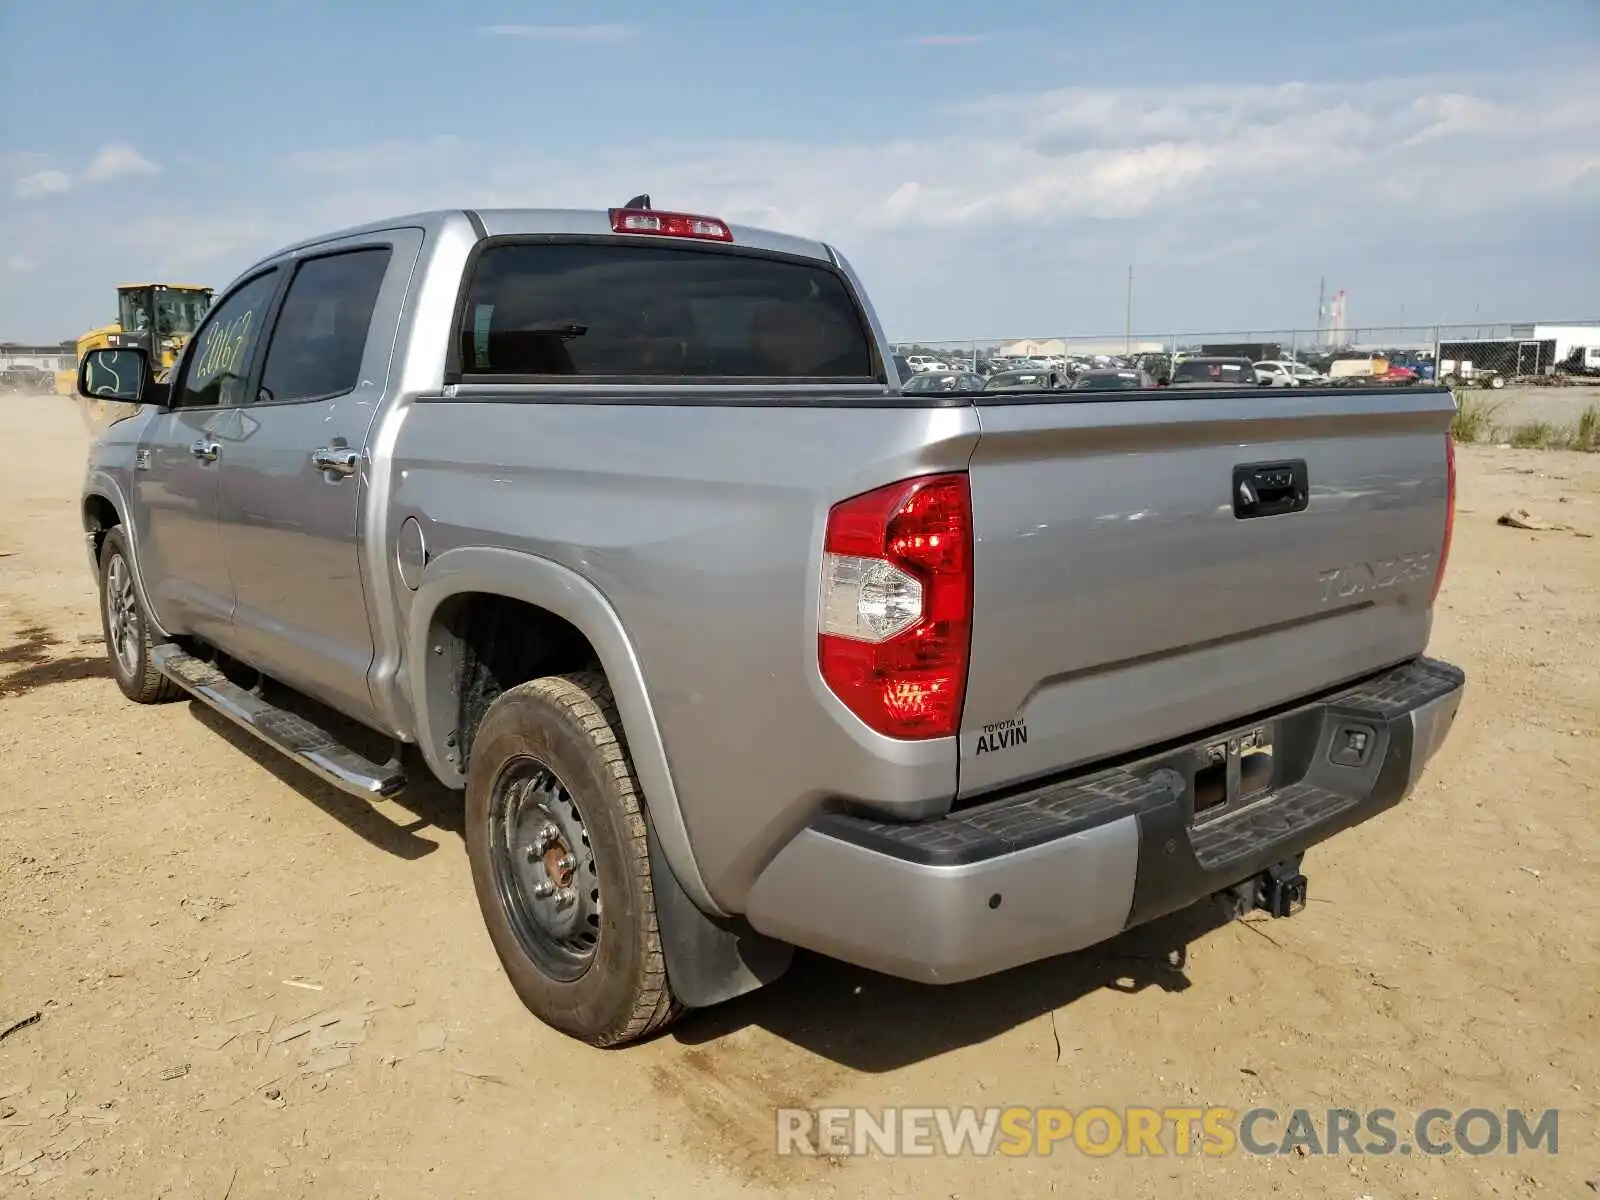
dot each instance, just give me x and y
(126, 628)
(561, 864)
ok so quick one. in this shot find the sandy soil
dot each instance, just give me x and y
(173, 899)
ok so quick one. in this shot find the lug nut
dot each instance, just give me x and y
(544, 890)
(568, 863)
(542, 840)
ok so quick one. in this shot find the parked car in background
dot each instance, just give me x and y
(942, 381)
(1158, 366)
(22, 378)
(1370, 370)
(1214, 372)
(1583, 360)
(1111, 380)
(1419, 363)
(1022, 381)
(1288, 373)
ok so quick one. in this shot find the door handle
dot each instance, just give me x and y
(205, 449)
(338, 459)
(1270, 489)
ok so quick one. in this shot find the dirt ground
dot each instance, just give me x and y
(173, 900)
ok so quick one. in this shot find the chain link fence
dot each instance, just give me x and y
(1483, 355)
(1540, 381)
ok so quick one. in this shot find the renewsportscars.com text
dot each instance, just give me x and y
(1162, 1131)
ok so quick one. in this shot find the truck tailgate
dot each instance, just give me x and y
(1122, 598)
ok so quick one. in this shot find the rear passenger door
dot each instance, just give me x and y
(295, 477)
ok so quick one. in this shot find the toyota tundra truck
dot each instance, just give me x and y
(619, 523)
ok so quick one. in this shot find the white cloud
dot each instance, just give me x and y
(116, 160)
(1389, 152)
(564, 33)
(113, 161)
(1037, 202)
(42, 183)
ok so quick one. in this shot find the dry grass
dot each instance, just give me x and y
(1588, 430)
(1534, 435)
(1475, 422)
(1474, 419)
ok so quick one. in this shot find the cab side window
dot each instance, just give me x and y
(217, 365)
(321, 334)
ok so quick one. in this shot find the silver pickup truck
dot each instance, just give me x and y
(619, 522)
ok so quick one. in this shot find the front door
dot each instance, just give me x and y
(177, 464)
(294, 480)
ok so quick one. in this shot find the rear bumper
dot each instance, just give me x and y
(1064, 865)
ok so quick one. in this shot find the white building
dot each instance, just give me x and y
(1566, 337)
(1061, 347)
(43, 358)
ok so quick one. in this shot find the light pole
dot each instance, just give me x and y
(1127, 347)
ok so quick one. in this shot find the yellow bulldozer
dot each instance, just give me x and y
(158, 318)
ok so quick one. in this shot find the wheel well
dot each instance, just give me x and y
(481, 644)
(99, 518)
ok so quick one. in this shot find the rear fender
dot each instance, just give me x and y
(555, 588)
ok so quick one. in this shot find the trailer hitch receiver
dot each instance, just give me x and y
(1281, 889)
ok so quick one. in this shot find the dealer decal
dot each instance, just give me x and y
(1002, 735)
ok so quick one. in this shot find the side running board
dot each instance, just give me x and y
(313, 748)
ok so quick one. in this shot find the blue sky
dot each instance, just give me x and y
(992, 169)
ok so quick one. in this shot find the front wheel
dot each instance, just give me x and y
(126, 628)
(561, 864)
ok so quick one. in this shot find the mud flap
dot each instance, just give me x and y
(709, 959)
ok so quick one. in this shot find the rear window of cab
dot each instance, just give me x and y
(586, 310)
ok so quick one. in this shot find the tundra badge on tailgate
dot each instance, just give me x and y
(1341, 583)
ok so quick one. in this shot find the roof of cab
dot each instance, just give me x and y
(503, 222)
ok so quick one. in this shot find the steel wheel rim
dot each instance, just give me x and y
(544, 871)
(122, 616)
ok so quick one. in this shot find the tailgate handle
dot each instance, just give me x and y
(1270, 489)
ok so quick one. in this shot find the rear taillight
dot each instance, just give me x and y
(1449, 514)
(895, 614)
(669, 224)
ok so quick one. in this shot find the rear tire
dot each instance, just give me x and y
(127, 628)
(561, 864)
